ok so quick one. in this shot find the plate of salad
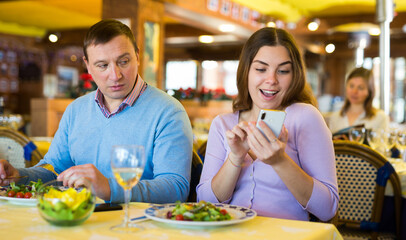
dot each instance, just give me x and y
(21, 194)
(201, 214)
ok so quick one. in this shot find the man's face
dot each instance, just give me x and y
(114, 68)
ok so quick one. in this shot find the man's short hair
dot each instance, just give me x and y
(105, 30)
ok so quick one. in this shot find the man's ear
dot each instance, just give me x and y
(138, 58)
(85, 60)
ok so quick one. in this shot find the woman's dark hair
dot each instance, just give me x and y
(367, 76)
(299, 90)
(105, 30)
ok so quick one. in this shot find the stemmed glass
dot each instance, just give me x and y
(374, 137)
(401, 143)
(127, 163)
(389, 139)
(357, 134)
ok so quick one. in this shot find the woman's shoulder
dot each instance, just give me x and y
(381, 115)
(380, 112)
(227, 117)
(225, 120)
(302, 108)
(303, 114)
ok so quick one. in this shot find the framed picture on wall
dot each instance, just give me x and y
(151, 53)
(67, 78)
(213, 5)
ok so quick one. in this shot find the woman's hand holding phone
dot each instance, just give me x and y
(263, 137)
(273, 118)
(268, 151)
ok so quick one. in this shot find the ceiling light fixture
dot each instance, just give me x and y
(206, 39)
(374, 31)
(227, 28)
(271, 24)
(330, 48)
(53, 38)
(314, 24)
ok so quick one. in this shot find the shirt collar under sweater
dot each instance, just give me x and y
(139, 87)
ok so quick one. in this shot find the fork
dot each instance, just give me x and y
(19, 177)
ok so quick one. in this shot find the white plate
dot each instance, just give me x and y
(20, 201)
(238, 215)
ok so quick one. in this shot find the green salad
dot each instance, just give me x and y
(21, 190)
(201, 211)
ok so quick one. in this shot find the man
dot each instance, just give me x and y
(123, 110)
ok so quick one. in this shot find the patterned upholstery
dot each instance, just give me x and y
(17, 148)
(197, 166)
(362, 175)
(356, 178)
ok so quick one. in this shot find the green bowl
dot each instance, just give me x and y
(58, 210)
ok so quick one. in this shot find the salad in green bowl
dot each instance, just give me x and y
(65, 206)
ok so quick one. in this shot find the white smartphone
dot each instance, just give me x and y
(273, 118)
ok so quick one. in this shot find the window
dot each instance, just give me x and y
(181, 74)
(219, 75)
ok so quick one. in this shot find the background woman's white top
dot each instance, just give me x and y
(338, 122)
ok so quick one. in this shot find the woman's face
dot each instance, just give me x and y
(269, 77)
(357, 90)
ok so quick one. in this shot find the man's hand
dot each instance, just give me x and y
(7, 171)
(83, 175)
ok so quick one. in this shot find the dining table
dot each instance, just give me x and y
(25, 222)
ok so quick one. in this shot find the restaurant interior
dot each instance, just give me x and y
(190, 50)
(38, 66)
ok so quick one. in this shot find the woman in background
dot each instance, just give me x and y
(288, 176)
(357, 108)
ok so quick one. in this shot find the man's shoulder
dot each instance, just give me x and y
(80, 102)
(159, 98)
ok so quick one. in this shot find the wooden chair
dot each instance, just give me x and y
(362, 175)
(17, 148)
(202, 150)
(196, 170)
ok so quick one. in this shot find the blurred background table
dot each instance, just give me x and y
(387, 222)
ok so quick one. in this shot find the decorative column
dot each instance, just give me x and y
(384, 15)
(145, 17)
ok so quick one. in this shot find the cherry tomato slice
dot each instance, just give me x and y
(20, 195)
(179, 217)
(223, 211)
(11, 193)
(27, 195)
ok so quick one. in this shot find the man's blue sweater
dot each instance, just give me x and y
(156, 121)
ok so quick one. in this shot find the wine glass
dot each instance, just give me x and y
(389, 139)
(127, 163)
(357, 134)
(374, 137)
(401, 143)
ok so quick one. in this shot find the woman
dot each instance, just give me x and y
(357, 108)
(289, 176)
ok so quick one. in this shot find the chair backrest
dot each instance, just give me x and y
(17, 148)
(196, 171)
(362, 175)
(202, 150)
